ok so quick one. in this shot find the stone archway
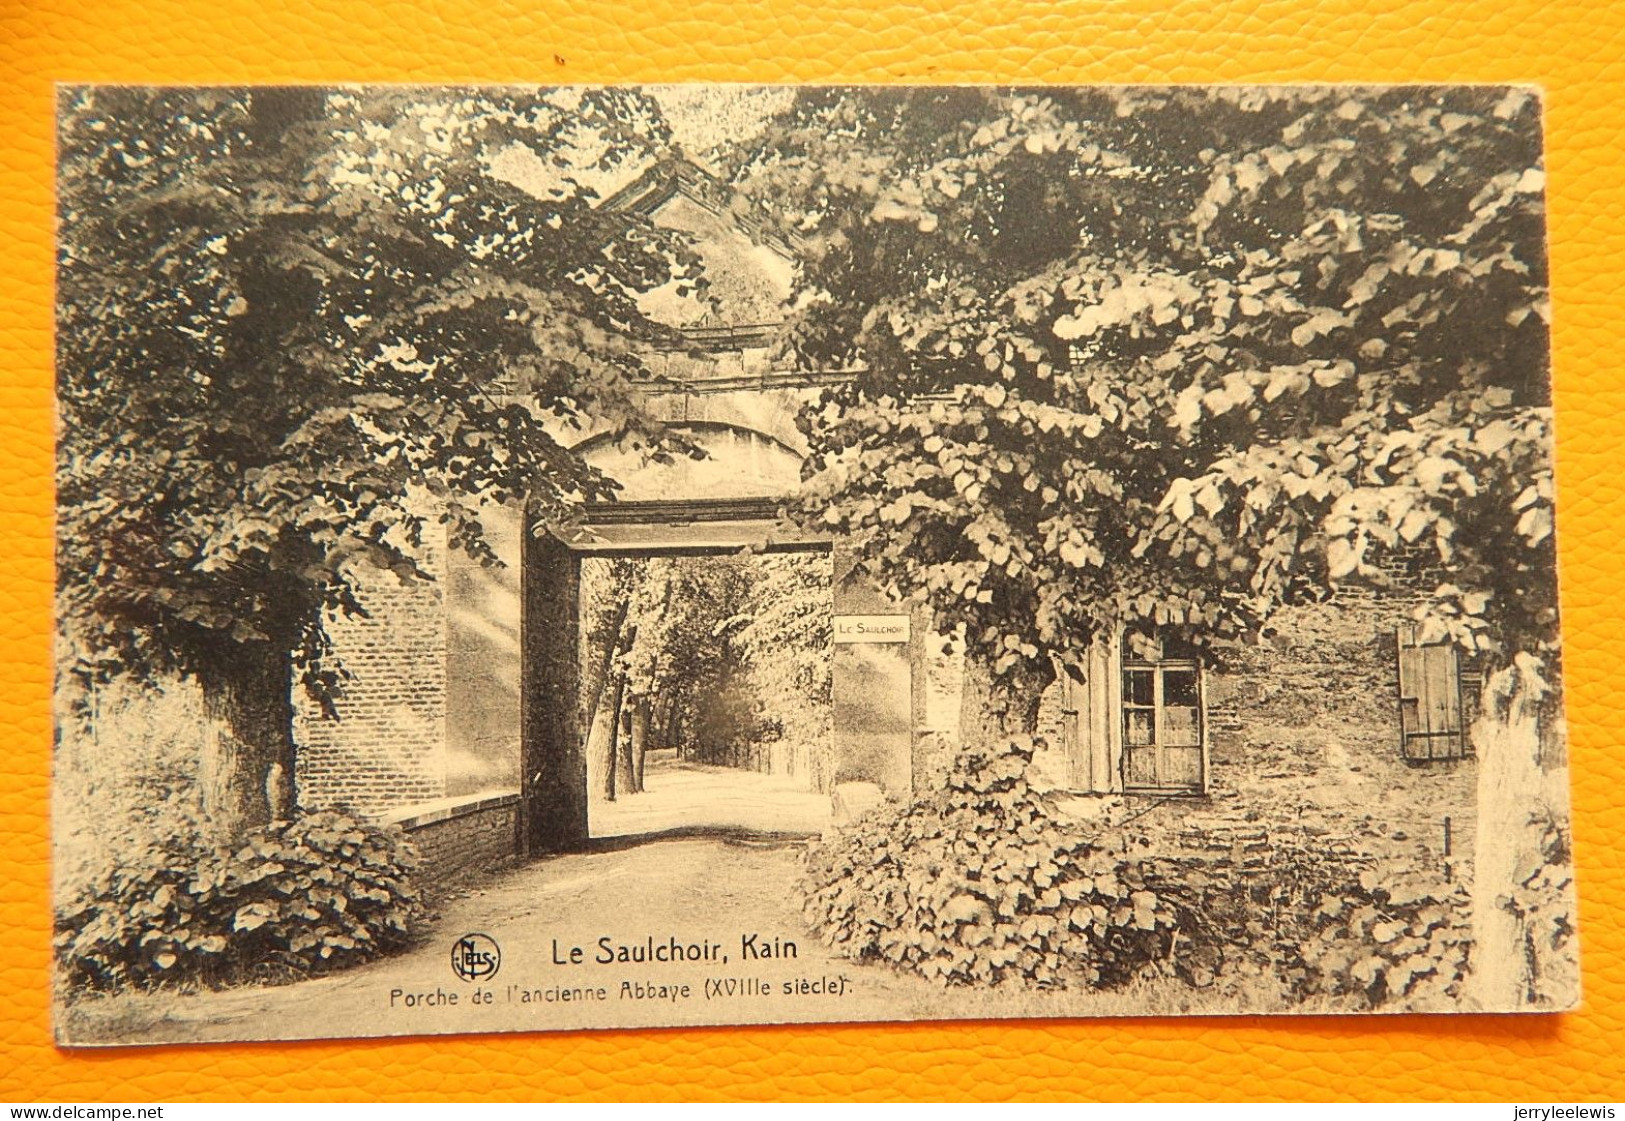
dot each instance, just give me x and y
(553, 758)
(733, 461)
(729, 505)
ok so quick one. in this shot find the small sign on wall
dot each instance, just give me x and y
(871, 628)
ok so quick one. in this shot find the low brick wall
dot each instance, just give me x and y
(459, 838)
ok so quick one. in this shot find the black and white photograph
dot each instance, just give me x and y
(594, 557)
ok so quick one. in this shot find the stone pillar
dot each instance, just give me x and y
(553, 760)
(872, 694)
(922, 752)
(483, 613)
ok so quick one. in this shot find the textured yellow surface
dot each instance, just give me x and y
(1575, 49)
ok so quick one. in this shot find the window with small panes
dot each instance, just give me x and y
(1164, 719)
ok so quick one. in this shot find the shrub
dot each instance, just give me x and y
(1387, 938)
(1322, 921)
(980, 883)
(291, 899)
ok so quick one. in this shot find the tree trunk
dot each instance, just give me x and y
(1522, 958)
(672, 724)
(246, 772)
(593, 693)
(610, 765)
(992, 709)
(660, 724)
(640, 739)
(626, 777)
(597, 750)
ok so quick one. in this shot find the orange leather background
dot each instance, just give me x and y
(1575, 49)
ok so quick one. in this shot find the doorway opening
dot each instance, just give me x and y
(704, 693)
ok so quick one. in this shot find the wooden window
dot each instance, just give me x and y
(1164, 720)
(1431, 724)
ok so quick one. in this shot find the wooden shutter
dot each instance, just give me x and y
(1090, 727)
(1430, 718)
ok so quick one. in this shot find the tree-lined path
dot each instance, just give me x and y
(680, 795)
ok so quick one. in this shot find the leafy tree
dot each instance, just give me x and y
(712, 656)
(298, 326)
(658, 638)
(1180, 357)
(784, 633)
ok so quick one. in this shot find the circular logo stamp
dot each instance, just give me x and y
(476, 957)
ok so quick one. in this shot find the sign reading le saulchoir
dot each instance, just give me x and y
(871, 628)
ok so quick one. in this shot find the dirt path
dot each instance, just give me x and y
(693, 796)
(705, 862)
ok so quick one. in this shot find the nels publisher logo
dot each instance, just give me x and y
(476, 957)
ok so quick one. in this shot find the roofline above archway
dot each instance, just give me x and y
(683, 511)
(744, 383)
(686, 526)
(607, 439)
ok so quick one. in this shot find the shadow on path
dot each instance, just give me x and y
(724, 834)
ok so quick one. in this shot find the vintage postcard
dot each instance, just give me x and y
(601, 557)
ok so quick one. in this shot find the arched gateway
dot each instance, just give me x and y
(719, 505)
(463, 721)
(722, 393)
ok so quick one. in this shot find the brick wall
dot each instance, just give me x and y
(387, 749)
(1323, 664)
(1303, 736)
(462, 839)
(1303, 731)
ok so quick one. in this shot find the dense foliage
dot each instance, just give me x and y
(982, 883)
(1176, 356)
(1388, 938)
(784, 634)
(288, 900)
(1329, 919)
(299, 327)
